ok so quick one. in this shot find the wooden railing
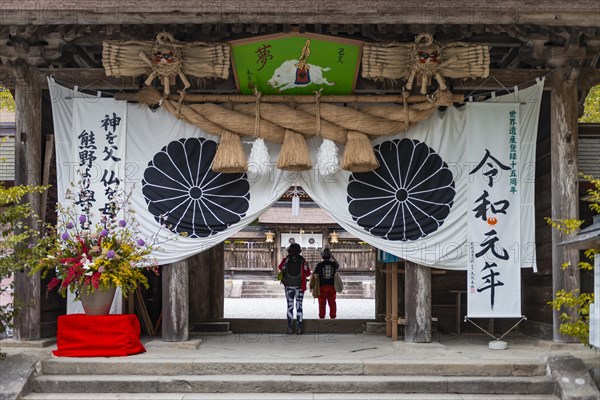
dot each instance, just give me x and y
(248, 256)
(259, 256)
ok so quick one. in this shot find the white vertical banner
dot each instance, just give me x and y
(493, 211)
(99, 141)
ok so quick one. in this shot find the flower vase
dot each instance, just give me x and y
(98, 302)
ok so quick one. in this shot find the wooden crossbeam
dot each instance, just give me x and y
(96, 79)
(545, 13)
(299, 99)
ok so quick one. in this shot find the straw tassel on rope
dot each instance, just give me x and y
(230, 157)
(358, 154)
(294, 153)
(259, 158)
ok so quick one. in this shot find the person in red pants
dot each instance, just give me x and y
(325, 270)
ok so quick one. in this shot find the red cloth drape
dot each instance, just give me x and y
(114, 335)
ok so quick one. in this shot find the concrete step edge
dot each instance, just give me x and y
(291, 384)
(312, 378)
(161, 366)
(281, 396)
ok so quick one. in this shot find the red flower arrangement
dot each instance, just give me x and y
(90, 257)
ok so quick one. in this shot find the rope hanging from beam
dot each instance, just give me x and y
(284, 123)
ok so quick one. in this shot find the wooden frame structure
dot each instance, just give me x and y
(63, 39)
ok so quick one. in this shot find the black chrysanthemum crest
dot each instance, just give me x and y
(407, 197)
(183, 192)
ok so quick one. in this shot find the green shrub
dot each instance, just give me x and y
(577, 323)
(17, 251)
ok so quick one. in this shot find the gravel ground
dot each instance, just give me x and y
(275, 308)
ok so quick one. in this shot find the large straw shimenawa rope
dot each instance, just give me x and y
(281, 123)
(303, 116)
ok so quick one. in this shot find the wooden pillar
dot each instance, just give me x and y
(175, 302)
(388, 301)
(565, 190)
(28, 171)
(417, 303)
(207, 285)
(394, 301)
(277, 251)
(325, 234)
(380, 290)
(281, 252)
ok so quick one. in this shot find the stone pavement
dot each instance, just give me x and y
(340, 354)
(272, 308)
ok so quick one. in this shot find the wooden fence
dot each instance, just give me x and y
(242, 256)
(249, 256)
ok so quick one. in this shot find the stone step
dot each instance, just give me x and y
(273, 295)
(259, 284)
(354, 285)
(376, 328)
(282, 396)
(290, 384)
(281, 290)
(169, 367)
(268, 288)
(211, 327)
(259, 293)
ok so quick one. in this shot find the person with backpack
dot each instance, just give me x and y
(294, 273)
(325, 271)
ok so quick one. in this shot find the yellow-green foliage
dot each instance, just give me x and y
(577, 324)
(565, 225)
(15, 254)
(6, 100)
(591, 106)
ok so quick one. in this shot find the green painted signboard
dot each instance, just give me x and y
(296, 63)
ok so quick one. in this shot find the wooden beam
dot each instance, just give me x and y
(565, 192)
(298, 99)
(175, 302)
(417, 298)
(508, 78)
(96, 79)
(85, 78)
(509, 12)
(28, 171)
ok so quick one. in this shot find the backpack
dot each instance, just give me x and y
(289, 277)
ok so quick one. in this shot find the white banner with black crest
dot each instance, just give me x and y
(415, 205)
